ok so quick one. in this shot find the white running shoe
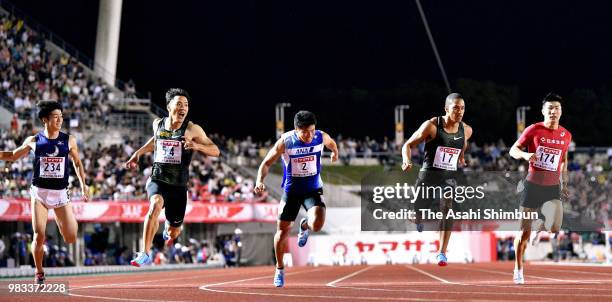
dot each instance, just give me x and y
(518, 277)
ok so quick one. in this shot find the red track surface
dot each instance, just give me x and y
(484, 281)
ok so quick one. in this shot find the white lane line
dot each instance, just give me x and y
(228, 274)
(331, 284)
(324, 297)
(430, 275)
(122, 299)
(532, 276)
(132, 283)
(206, 286)
(517, 292)
(572, 271)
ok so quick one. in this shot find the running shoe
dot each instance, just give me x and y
(40, 278)
(303, 234)
(535, 238)
(279, 278)
(518, 277)
(441, 258)
(535, 235)
(141, 259)
(168, 241)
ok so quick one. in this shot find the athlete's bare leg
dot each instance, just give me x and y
(174, 232)
(446, 226)
(316, 218)
(280, 241)
(553, 213)
(67, 223)
(151, 224)
(39, 224)
(520, 242)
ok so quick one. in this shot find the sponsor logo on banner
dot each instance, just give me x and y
(218, 212)
(26, 210)
(78, 209)
(227, 212)
(266, 212)
(381, 249)
(4, 206)
(131, 210)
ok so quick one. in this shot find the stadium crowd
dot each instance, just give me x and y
(30, 72)
(211, 181)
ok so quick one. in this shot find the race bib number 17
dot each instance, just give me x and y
(446, 158)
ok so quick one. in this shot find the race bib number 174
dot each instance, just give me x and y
(547, 158)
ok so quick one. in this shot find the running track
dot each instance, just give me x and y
(474, 282)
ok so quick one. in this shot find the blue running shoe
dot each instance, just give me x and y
(420, 227)
(141, 259)
(441, 258)
(167, 239)
(303, 234)
(279, 278)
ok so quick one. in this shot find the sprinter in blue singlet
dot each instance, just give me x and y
(53, 150)
(301, 151)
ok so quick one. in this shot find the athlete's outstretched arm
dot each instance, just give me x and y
(330, 143)
(426, 131)
(20, 152)
(198, 141)
(273, 155)
(78, 166)
(148, 147)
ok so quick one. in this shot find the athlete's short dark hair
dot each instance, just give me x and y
(46, 107)
(451, 97)
(552, 97)
(304, 119)
(172, 92)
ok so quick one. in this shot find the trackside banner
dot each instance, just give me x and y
(135, 211)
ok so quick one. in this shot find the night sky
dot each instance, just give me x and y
(239, 58)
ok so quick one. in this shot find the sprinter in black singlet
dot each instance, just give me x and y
(446, 139)
(174, 140)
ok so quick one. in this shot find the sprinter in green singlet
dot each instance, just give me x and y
(446, 139)
(173, 143)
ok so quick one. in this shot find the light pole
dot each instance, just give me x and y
(399, 123)
(521, 119)
(280, 118)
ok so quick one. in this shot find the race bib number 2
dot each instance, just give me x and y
(168, 151)
(547, 158)
(51, 167)
(446, 158)
(304, 166)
